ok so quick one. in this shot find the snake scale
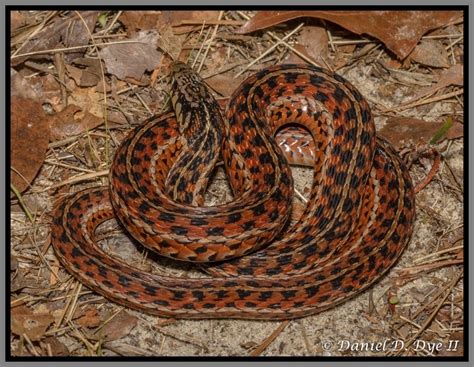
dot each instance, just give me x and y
(358, 219)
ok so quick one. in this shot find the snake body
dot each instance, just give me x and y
(358, 220)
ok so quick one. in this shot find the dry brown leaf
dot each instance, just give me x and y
(172, 45)
(400, 31)
(29, 140)
(19, 281)
(88, 317)
(219, 59)
(65, 31)
(25, 321)
(88, 74)
(41, 88)
(132, 60)
(82, 77)
(170, 42)
(393, 64)
(451, 76)
(72, 121)
(55, 346)
(349, 49)
(88, 99)
(119, 326)
(177, 19)
(18, 19)
(294, 58)
(401, 131)
(23, 88)
(431, 53)
(49, 87)
(225, 85)
(135, 21)
(454, 346)
(13, 263)
(315, 41)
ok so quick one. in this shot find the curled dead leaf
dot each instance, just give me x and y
(18, 19)
(135, 21)
(224, 84)
(22, 88)
(315, 41)
(185, 21)
(400, 31)
(120, 326)
(72, 121)
(402, 131)
(89, 99)
(452, 76)
(29, 140)
(67, 31)
(131, 60)
(88, 74)
(431, 53)
(25, 321)
(88, 317)
(56, 347)
(19, 281)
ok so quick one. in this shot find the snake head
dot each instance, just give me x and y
(188, 93)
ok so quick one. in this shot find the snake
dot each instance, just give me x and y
(357, 221)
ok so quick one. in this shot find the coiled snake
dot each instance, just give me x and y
(358, 220)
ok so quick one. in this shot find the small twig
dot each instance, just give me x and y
(72, 48)
(454, 42)
(428, 267)
(331, 42)
(213, 36)
(294, 50)
(100, 328)
(61, 70)
(73, 304)
(423, 102)
(22, 203)
(135, 92)
(104, 89)
(433, 171)
(305, 338)
(59, 164)
(441, 36)
(428, 321)
(282, 41)
(66, 306)
(90, 347)
(300, 196)
(437, 253)
(269, 50)
(119, 13)
(209, 22)
(352, 42)
(30, 345)
(78, 178)
(270, 339)
(202, 45)
(34, 33)
(185, 339)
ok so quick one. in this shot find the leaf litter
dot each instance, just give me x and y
(394, 58)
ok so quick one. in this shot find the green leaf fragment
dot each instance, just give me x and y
(442, 131)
